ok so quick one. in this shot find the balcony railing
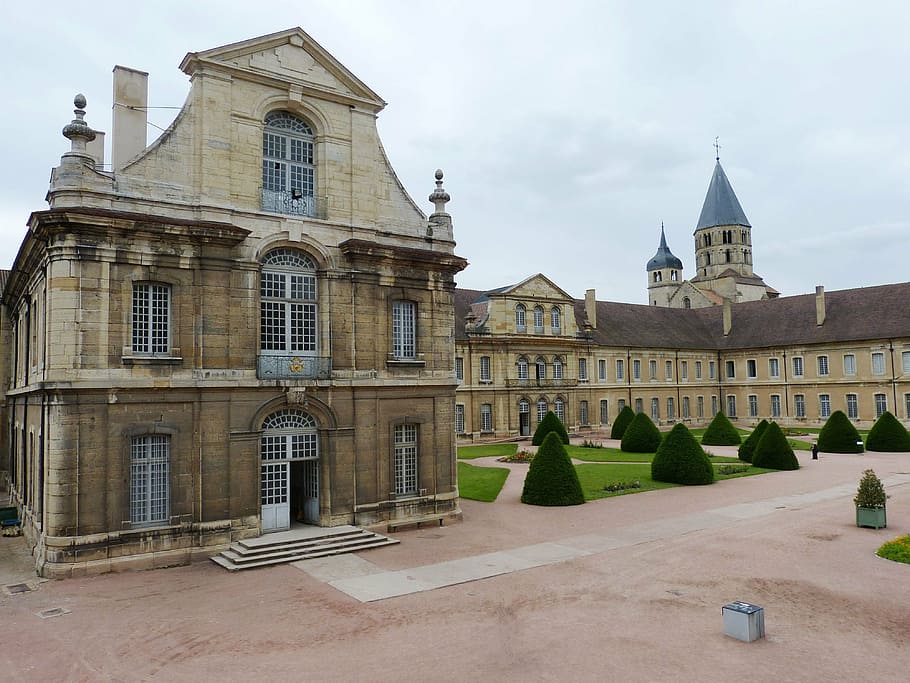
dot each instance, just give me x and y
(292, 202)
(293, 367)
(563, 382)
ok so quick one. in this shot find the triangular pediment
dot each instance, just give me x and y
(290, 56)
(538, 287)
(697, 297)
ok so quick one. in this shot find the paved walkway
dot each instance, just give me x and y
(367, 582)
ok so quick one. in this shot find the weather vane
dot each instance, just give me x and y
(716, 148)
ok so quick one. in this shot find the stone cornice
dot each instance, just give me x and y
(363, 251)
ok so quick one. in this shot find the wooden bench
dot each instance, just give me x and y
(435, 517)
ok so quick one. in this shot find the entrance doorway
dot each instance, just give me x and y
(524, 418)
(289, 470)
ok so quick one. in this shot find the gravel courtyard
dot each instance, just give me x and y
(645, 611)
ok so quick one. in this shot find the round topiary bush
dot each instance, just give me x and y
(551, 477)
(888, 435)
(549, 423)
(747, 447)
(839, 435)
(641, 436)
(721, 432)
(681, 460)
(773, 452)
(626, 415)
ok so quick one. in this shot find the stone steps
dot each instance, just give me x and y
(292, 546)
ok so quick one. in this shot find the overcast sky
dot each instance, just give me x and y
(567, 131)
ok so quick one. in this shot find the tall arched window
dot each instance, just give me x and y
(288, 165)
(555, 320)
(520, 318)
(559, 407)
(687, 303)
(557, 368)
(541, 364)
(541, 408)
(522, 368)
(288, 309)
(538, 319)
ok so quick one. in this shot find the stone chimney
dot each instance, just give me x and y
(591, 308)
(728, 317)
(819, 305)
(131, 99)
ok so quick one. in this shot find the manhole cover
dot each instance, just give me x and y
(14, 588)
(53, 612)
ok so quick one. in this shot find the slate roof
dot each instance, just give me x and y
(867, 313)
(721, 206)
(664, 258)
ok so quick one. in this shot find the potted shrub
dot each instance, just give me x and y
(870, 502)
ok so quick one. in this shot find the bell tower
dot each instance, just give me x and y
(664, 274)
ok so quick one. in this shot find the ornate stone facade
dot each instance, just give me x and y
(244, 325)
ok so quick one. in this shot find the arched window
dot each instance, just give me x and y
(557, 368)
(559, 407)
(288, 165)
(555, 320)
(520, 318)
(288, 435)
(522, 368)
(541, 364)
(674, 276)
(541, 409)
(287, 307)
(538, 319)
(657, 276)
(687, 303)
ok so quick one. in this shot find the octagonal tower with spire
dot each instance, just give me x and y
(664, 273)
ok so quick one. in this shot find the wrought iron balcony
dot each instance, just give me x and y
(562, 382)
(292, 202)
(294, 367)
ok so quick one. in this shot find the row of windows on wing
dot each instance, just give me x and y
(287, 435)
(288, 310)
(722, 237)
(822, 365)
(538, 316)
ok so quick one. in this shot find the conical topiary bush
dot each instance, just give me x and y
(551, 477)
(747, 447)
(888, 435)
(626, 415)
(773, 451)
(721, 432)
(641, 436)
(839, 435)
(680, 459)
(549, 423)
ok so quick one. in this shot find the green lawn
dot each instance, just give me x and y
(617, 455)
(486, 450)
(798, 445)
(480, 483)
(700, 432)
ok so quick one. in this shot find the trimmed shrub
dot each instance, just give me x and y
(839, 435)
(621, 423)
(748, 446)
(551, 477)
(641, 436)
(549, 423)
(888, 435)
(773, 451)
(721, 432)
(680, 459)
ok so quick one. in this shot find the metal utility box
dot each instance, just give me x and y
(744, 621)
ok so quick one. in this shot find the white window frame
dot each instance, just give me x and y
(559, 408)
(774, 368)
(698, 369)
(538, 319)
(583, 412)
(822, 365)
(881, 404)
(149, 479)
(878, 363)
(712, 372)
(655, 409)
(288, 308)
(602, 369)
(686, 410)
(486, 417)
(731, 405)
(824, 405)
(731, 369)
(523, 368)
(288, 164)
(684, 370)
(151, 318)
(905, 362)
(636, 370)
(459, 368)
(555, 320)
(798, 366)
(406, 459)
(775, 405)
(542, 409)
(751, 368)
(671, 408)
(753, 405)
(404, 330)
(620, 369)
(668, 370)
(557, 367)
(700, 405)
(605, 411)
(853, 406)
(799, 405)
(521, 319)
(582, 369)
(485, 376)
(459, 418)
(849, 364)
(652, 369)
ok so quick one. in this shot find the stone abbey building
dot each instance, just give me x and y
(246, 324)
(250, 324)
(720, 341)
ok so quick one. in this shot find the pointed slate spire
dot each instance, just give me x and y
(664, 258)
(721, 206)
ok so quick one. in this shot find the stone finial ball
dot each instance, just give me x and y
(438, 174)
(79, 101)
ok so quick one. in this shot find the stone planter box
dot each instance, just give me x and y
(873, 518)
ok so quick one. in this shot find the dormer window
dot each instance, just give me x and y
(288, 165)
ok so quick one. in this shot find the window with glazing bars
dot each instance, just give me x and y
(559, 407)
(604, 412)
(852, 406)
(149, 463)
(151, 318)
(753, 405)
(404, 330)
(824, 405)
(878, 363)
(602, 369)
(287, 155)
(849, 364)
(583, 369)
(459, 418)
(881, 404)
(557, 368)
(799, 405)
(775, 405)
(541, 410)
(484, 368)
(522, 368)
(287, 303)
(405, 459)
(583, 412)
(822, 366)
(486, 417)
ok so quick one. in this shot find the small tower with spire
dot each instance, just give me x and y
(664, 273)
(439, 225)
